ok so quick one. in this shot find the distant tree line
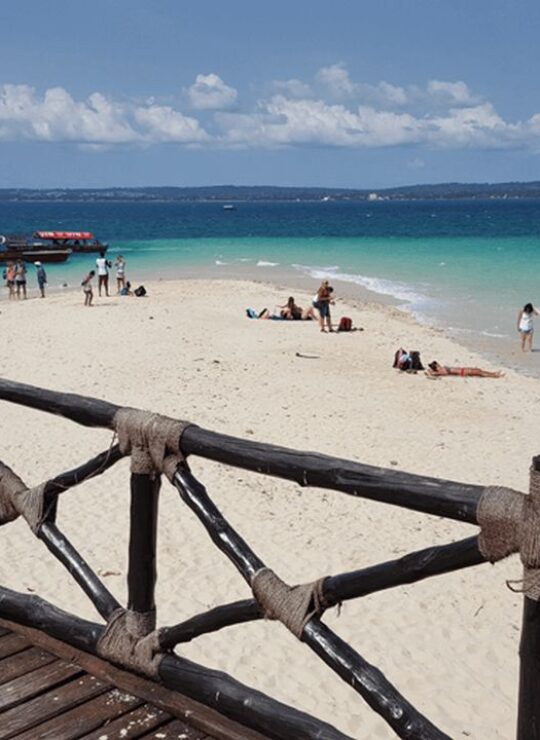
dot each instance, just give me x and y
(234, 193)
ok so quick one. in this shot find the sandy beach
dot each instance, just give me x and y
(449, 644)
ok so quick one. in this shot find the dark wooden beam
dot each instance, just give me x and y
(414, 566)
(64, 551)
(420, 493)
(33, 611)
(210, 621)
(142, 542)
(368, 681)
(89, 469)
(212, 688)
(429, 495)
(89, 412)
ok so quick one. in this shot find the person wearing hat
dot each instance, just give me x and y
(41, 278)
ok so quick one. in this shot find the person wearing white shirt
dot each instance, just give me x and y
(103, 264)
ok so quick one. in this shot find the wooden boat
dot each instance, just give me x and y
(20, 249)
(79, 242)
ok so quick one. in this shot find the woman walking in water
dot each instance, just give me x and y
(525, 325)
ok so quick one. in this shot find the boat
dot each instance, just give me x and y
(15, 248)
(80, 242)
(48, 246)
(229, 207)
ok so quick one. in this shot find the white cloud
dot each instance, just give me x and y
(439, 115)
(163, 123)
(452, 93)
(293, 88)
(58, 117)
(336, 80)
(209, 92)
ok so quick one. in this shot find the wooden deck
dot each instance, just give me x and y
(48, 693)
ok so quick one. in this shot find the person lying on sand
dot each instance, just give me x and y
(292, 312)
(435, 371)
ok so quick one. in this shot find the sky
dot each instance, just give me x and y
(347, 93)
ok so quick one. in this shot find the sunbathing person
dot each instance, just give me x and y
(435, 370)
(292, 312)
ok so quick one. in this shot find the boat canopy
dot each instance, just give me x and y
(64, 235)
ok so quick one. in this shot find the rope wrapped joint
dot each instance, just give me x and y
(510, 523)
(131, 641)
(153, 440)
(293, 606)
(16, 499)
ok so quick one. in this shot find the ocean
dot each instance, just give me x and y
(464, 266)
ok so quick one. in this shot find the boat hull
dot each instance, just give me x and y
(35, 255)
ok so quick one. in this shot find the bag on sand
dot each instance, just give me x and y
(140, 291)
(345, 324)
(404, 360)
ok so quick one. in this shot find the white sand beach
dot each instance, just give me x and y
(449, 644)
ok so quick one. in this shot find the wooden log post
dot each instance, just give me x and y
(142, 545)
(529, 648)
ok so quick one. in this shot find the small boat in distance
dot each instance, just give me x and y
(229, 207)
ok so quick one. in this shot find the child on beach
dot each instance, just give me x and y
(525, 325)
(87, 288)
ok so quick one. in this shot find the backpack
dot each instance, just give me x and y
(416, 362)
(140, 291)
(345, 324)
(402, 359)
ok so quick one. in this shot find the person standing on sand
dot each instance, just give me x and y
(41, 278)
(87, 288)
(120, 264)
(20, 279)
(525, 325)
(9, 276)
(322, 304)
(103, 264)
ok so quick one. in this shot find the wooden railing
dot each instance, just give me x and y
(149, 650)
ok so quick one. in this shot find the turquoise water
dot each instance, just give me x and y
(464, 265)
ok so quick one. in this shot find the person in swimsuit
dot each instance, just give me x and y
(20, 278)
(87, 288)
(10, 279)
(120, 264)
(525, 325)
(435, 370)
(293, 312)
(322, 304)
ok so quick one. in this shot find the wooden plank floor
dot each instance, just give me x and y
(43, 697)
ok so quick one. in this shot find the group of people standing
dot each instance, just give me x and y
(103, 265)
(15, 275)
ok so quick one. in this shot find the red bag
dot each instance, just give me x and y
(345, 324)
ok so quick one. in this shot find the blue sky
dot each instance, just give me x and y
(344, 94)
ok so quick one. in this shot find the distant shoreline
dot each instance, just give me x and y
(222, 194)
